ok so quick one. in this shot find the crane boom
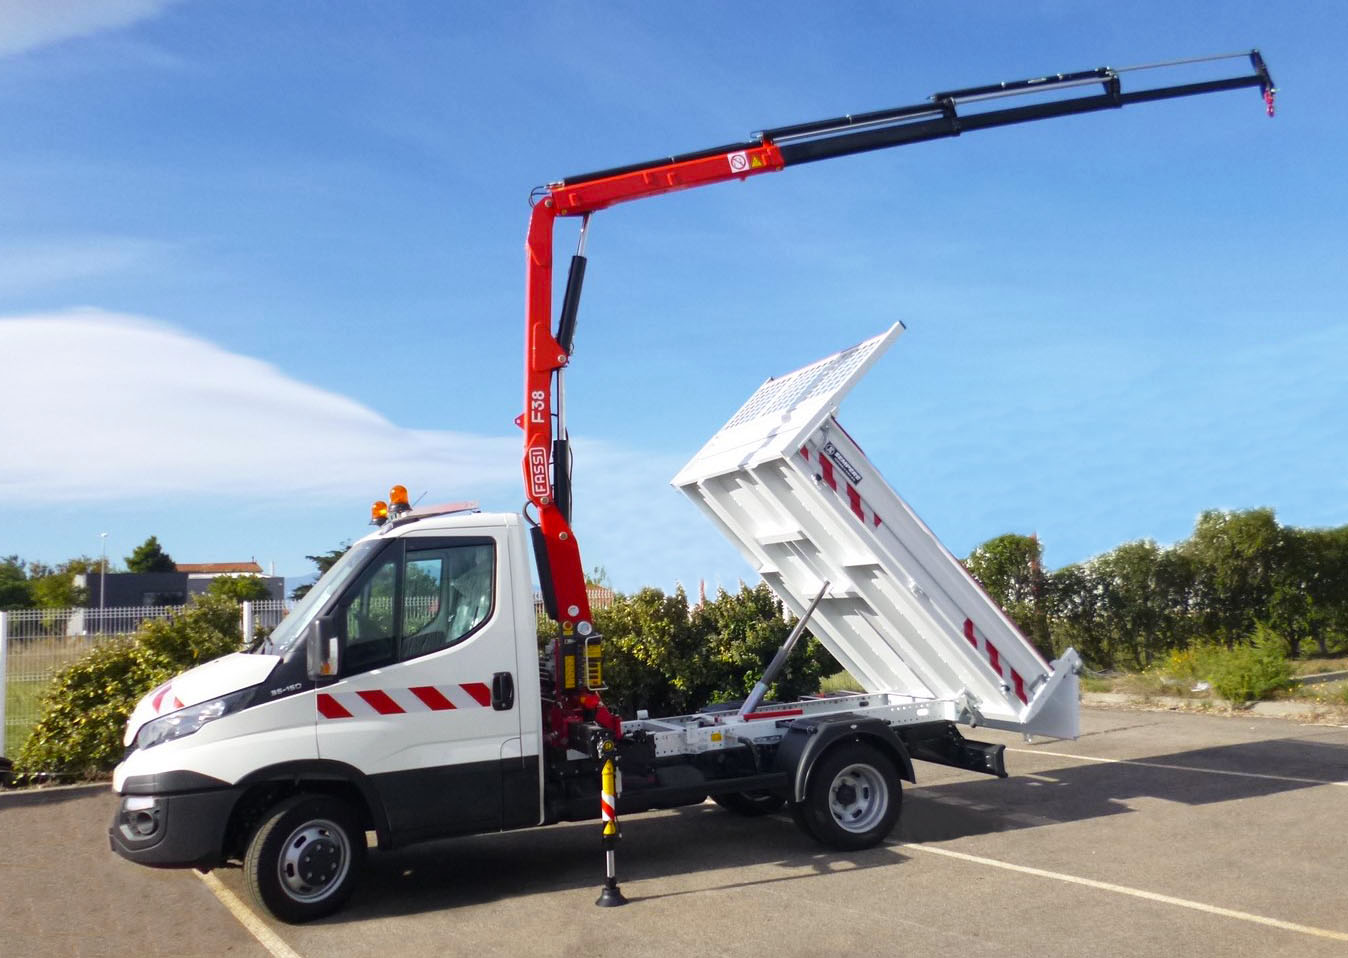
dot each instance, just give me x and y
(547, 457)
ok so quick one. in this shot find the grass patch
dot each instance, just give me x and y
(1319, 665)
(1151, 683)
(21, 711)
(31, 665)
(839, 682)
(1331, 693)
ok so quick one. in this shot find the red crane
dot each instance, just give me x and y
(547, 456)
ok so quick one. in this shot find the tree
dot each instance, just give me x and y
(240, 588)
(1009, 569)
(1144, 594)
(1075, 595)
(15, 590)
(55, 588)
(323, 562)
(1236, 554)
(1310, 587)
(1329, 588)
(149, 556)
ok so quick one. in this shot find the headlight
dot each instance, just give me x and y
(188, 720)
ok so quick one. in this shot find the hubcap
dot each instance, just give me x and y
(314, 860)
(858, 798)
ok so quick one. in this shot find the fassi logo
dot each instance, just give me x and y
(538, 471)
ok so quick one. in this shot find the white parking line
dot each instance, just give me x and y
(1134, 892)
(1183, 768)
(267, 938)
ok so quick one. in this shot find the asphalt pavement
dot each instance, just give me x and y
(1154, 834)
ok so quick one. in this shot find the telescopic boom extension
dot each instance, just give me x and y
(547, 457)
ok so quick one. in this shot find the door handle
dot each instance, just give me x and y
(502, 691)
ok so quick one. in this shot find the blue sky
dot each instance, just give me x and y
(259, 261)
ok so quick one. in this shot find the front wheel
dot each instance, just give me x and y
(853, 799)
(305, 857)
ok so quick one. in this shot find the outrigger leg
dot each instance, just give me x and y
(611, 896)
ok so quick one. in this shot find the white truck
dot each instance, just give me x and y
(402, 695)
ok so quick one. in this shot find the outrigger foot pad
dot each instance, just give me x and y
(611, 896)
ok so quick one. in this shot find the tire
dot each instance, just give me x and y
(853, 798)
(750, 804)
(305, 858)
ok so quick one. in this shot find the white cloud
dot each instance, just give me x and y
(29, 24)
(102, 406)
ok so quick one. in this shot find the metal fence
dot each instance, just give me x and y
(37, 643)
(600, 598)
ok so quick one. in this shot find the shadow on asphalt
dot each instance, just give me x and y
(706, 838)
(1076, 792)
(687, 841)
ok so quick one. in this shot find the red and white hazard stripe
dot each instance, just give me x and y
(420, 698)
(995, 659)
(860, 510)
(854, 500)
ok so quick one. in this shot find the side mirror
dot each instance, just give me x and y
(321, 649)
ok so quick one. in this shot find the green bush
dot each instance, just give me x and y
(1187, 664)
(663, 656)
(84, 710)
(1251, 671)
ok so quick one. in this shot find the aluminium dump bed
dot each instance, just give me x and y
(805, 506)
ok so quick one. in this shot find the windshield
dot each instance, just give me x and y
(292, 627)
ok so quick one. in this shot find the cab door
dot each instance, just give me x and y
(424, 703)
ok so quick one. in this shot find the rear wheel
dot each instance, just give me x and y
(853, 799)
(305, 857)
(750, 804)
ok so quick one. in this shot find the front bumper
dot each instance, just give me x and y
(185, 830)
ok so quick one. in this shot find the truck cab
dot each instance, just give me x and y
(403, 690)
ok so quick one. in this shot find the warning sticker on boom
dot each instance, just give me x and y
(841, 462)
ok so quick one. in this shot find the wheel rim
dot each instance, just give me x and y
(858, 798)
(314, 860)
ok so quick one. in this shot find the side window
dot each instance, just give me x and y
(369, 618)
(448, 594)
(422, 591)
